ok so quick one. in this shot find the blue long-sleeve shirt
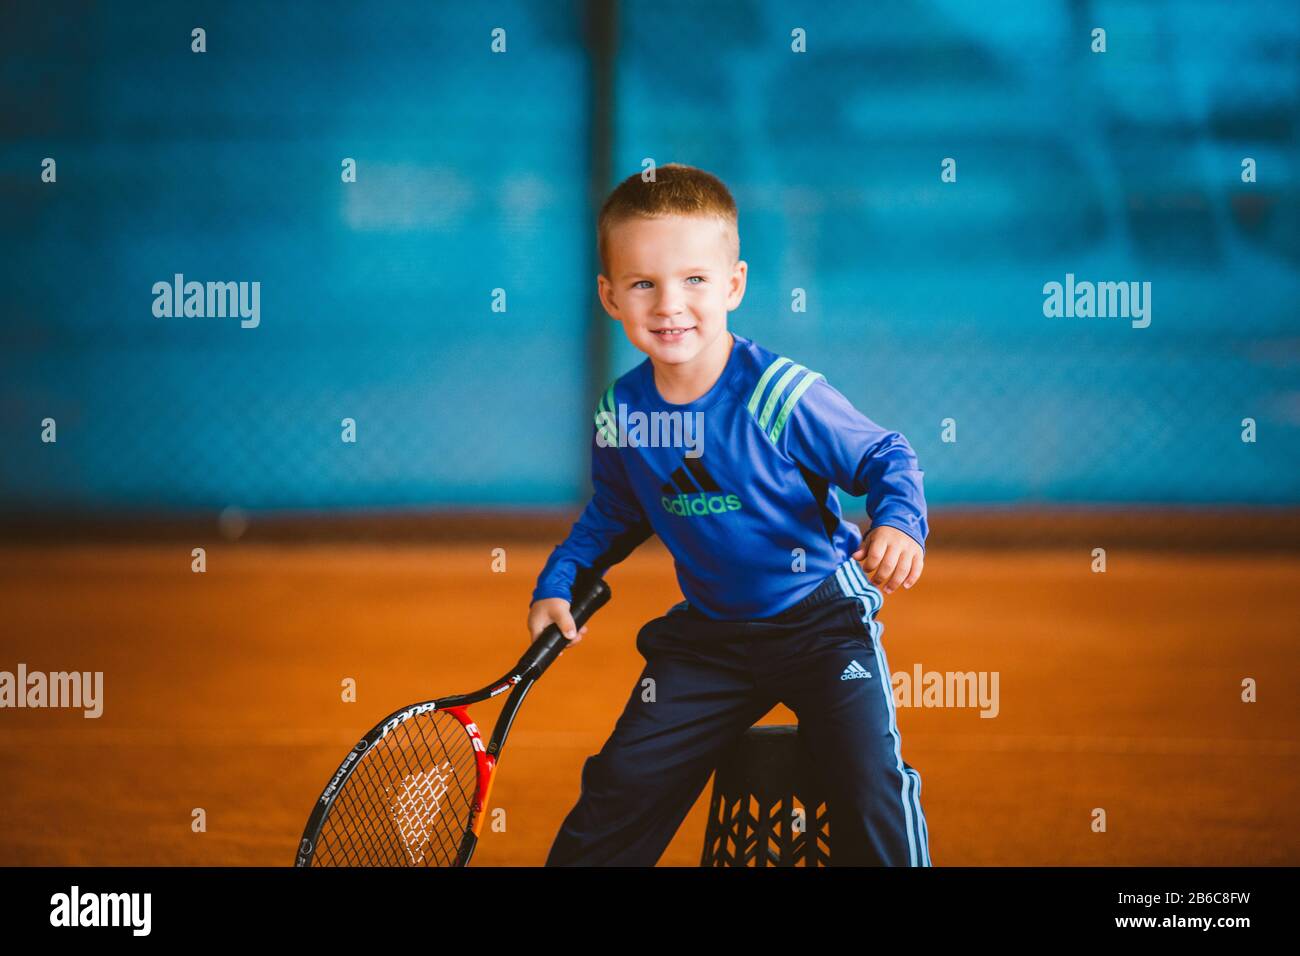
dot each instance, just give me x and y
(737, 484)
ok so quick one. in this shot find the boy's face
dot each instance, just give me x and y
(672, 272)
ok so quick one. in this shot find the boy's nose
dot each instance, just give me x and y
(669, 305)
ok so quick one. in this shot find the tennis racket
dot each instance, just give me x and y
(413, 790)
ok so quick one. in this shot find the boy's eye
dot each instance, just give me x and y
(646, 282)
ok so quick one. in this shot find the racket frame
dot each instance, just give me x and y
(550, 644)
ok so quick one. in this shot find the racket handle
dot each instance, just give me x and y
(590, 594)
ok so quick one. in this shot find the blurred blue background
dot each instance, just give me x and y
(474, 173)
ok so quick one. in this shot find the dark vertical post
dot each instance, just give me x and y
(602, 44)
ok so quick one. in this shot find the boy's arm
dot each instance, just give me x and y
(826, 434)
(610, 528)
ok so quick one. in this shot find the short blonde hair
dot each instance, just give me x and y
(677, 190)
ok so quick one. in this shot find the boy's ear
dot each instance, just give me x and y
(605, 289)
(738, 278)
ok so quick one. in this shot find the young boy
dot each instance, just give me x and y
(777, 608)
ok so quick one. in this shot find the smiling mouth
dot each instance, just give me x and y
(671, 333)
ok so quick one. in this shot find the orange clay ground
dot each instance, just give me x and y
(1119, 691)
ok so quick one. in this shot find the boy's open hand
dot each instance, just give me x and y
(892, 558)
(549, 611)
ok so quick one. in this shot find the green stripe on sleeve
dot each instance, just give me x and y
(762, 383)
(775, 394)
(611, 438)
(606, 425)
(788, 407)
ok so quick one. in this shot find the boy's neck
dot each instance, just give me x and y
(684, 383)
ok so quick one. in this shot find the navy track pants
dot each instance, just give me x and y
(711, 681)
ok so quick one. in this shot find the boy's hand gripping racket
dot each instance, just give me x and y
(413, 790)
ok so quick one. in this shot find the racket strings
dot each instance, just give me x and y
(408, 801)
(420, 800)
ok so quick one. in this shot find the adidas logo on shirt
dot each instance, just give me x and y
(699, 493)
(855, 671)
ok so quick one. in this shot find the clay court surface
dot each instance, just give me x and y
(1119, 691)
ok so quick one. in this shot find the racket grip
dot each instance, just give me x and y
(590, 594)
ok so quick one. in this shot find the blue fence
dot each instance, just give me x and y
(379, 298)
